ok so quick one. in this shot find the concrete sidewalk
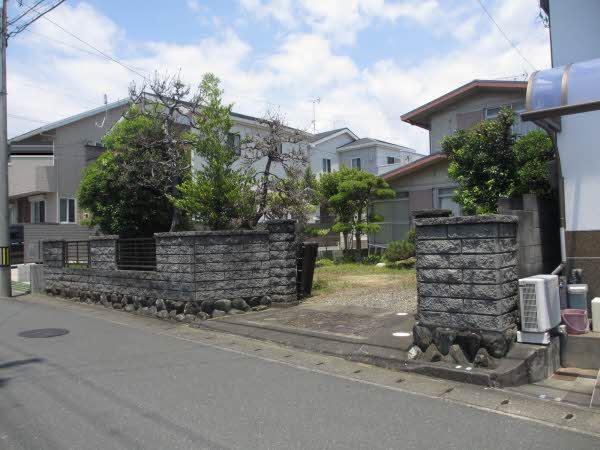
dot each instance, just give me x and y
(369, 335)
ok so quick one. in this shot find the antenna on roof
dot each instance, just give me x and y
(314, 121)
(101, 124)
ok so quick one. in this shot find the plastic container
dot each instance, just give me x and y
(596, 314)
(577, 294)
(576, 320)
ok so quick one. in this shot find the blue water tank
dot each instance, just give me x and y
(577, 295)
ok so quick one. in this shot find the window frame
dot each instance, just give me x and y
(326, 165)
(358, 166)
(438, 196)
(68, 210)
(234, 141)
(35, 210)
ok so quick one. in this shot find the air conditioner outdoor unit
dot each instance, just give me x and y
(539, 301)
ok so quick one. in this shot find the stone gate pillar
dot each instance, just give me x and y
(467, 283)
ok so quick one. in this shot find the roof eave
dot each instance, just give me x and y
(420, 116)
(414, 166)
(68, 120)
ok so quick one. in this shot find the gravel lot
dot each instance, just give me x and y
(387, 289)
(398, 300)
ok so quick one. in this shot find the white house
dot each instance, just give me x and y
(329, 150)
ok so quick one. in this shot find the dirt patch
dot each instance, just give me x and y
(366, 286)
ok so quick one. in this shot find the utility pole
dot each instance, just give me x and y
(19, 24)
(5, 287)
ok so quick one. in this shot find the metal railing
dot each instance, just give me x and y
(76, 254)
(136, 254)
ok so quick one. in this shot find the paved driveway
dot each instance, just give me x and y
(109, 385)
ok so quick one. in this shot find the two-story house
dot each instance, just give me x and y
(45, 167)
(425, 183)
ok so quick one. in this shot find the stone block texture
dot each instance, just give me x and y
(467, 272)
(190, 266)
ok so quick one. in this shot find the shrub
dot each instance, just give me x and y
(407, 263)
(411, 236)
(323, 262)
(371, 260)
(399, 250)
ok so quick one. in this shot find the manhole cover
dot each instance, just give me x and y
(43, 333)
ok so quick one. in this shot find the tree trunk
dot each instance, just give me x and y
(358, 242)
(264, 192)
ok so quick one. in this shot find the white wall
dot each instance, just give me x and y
(575, 34)
(574, 30)
(328, 149)
(580, 162)
(445, 122)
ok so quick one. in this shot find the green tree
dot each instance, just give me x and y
(482, 162)
(349, 192)
(489, 162)
(295, 196)
(112, 190)
(533, 153)
(217, 195)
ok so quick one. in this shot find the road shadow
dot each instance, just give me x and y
(13, 364)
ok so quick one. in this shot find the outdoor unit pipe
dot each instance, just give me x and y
(563, 336)
(558, 269)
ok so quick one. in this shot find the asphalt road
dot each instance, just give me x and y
(106, 385)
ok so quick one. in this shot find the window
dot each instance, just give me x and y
(444, 200)
(234, 141)
(67, 210)
(391, 160)
(326, 165)
(356, 163)
(38, 211)
(12, 214)
(519, 128)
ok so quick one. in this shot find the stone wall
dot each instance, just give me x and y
(253, 266)
(467, 277)
(538, 235)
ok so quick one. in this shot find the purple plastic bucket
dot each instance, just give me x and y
(576, 320)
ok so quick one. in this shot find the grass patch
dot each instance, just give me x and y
(352, 275)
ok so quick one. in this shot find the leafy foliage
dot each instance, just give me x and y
(279, 150)
(218, 195)
(348, 193)
(483, 163)
(371, 260)
(112, 190)
(294, 196)
(533, 153)
(399, 250)
(488, 162)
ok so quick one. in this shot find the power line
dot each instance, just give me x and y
(106, 55)
(28, 119)
(40, 14)
(512, 44)
(20, 16)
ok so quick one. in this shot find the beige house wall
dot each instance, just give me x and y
(447, 121)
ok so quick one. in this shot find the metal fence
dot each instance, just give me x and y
(17, 253)
(136, 254)
(76, 254)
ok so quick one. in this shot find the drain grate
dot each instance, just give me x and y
(43, 333)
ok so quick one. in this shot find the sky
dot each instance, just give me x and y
(368, 61)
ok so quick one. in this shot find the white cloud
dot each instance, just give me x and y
(55, 81)
(339, 20)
